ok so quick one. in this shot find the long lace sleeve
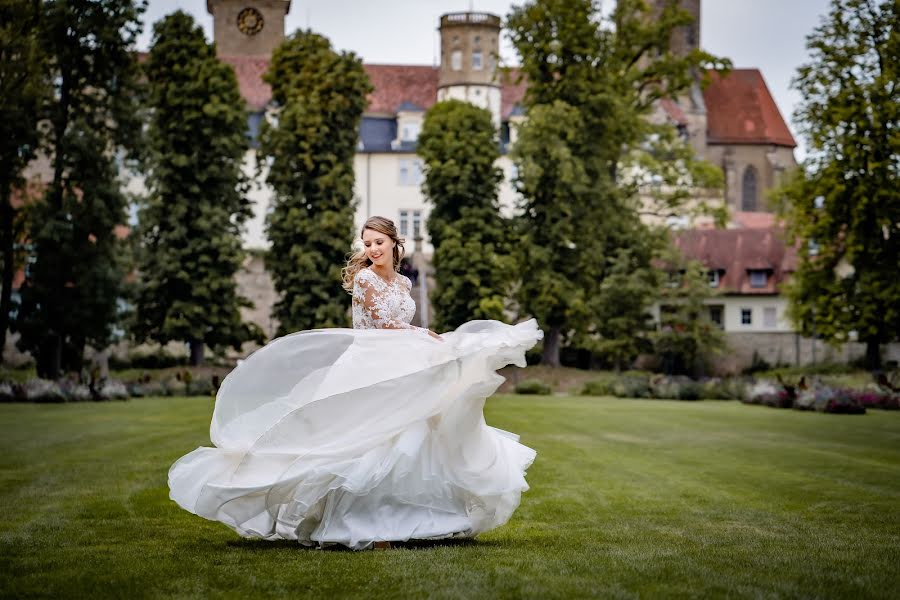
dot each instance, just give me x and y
(376, 304)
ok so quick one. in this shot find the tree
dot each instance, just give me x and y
(622, 327)
(472, 261)
(190, 222)
(843, 206)
(73, 284)
(687, 336)
(320, 97)
(23, 89)
(553, 182)
(606, 75)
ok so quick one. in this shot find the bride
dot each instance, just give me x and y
(363, 436)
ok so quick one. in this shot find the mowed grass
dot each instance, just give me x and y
(629, 498)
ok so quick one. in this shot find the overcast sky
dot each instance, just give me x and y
(767, 34)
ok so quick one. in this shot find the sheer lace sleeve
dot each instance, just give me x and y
(373, 298)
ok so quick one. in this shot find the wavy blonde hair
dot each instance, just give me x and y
(358, 260)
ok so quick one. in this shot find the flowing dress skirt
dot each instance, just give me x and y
(351, 436)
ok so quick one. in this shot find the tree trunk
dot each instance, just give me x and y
(49, 360)
(7, 217)
(552, 339)
(873, 355)
(196, 352)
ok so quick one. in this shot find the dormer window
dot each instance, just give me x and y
(410, 132)
(713, 277)
(758, 278)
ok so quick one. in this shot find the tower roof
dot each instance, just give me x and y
(740, 110)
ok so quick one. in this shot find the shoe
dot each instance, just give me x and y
(381, 545)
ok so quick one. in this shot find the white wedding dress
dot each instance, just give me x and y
(351, 436)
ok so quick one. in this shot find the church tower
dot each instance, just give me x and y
(248, 27)
(683, 40)
(470, 45)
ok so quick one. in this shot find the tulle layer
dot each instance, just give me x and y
(353, 436)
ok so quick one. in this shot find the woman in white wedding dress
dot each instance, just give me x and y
(367, 435)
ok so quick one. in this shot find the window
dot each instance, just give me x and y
(410, 171)
(813, 247)
(477, 63)
(746, 316)
(410, 132)
(716, 315)
(769, 317)
(758, 278)
(713, 277)
(456, 60)
(410, 220)
(748, 189)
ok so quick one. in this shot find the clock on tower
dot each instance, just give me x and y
(247, 27)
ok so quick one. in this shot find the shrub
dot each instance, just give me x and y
(7, 392)
(632, 386)
(767, 393)
(201, 387)
(533, 387)
(876, 399)
(42, 390)
(598, 387)
(721, 389)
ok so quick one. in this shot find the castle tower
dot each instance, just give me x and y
(247, 27)
(470, 44)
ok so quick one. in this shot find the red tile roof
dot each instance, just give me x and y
(753, 220)
(740, 110)
(396, 84)
(735, 251)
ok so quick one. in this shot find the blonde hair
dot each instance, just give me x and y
(359, 261)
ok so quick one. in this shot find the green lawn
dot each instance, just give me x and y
(629, 498)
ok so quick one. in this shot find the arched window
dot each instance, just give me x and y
(749, 189)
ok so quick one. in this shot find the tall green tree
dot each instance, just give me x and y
(472, 261)
(73, 284)
(23, 90)
(687, 337)
(189, 225)
(320, 96)
(844, 205)
(610, 71)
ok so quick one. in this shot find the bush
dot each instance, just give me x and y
(598, 387)
(533, 387)
(767, 393)
(714, 388)
(201, 387)
(674, 388)
(7, 392)
(876, 399)
(632, 385)
(829, 400)
(41, 390)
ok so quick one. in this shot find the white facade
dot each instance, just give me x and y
(389, 184)
(746, 313)
(482, 96)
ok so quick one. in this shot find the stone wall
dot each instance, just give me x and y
(788, 348)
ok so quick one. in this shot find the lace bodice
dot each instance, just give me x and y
(378, 304)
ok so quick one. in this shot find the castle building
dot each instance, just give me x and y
(732, 122)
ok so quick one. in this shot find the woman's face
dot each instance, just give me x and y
(379, 247)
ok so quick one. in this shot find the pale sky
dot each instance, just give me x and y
(766, 34)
